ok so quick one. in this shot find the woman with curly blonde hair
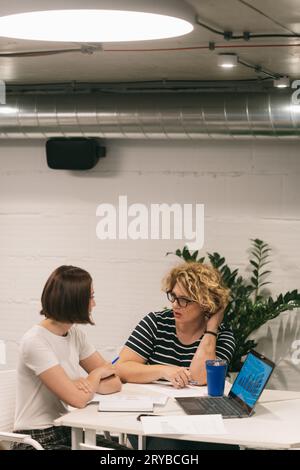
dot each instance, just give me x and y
(175, 343)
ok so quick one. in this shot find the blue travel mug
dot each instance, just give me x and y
(216, 372)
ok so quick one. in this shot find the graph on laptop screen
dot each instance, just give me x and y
(251, 380)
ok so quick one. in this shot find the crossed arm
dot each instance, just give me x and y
(101, 379)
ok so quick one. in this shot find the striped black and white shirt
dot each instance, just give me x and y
(155, 340)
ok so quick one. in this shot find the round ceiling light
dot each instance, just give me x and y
(98, 21)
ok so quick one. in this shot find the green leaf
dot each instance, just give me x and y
(264, 263)
(185, 251)
(256, 241)
(264, 273)
(256, 251)
(249, 306)
(264, 284)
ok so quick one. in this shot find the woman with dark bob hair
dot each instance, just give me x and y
(175, 343)
(51, 354)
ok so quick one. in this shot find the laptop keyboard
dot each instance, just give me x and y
(208, 405)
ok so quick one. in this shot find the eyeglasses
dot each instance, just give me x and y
(181, 301)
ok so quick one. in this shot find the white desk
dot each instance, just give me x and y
(275, 424)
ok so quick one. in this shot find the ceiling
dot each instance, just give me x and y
(185, 58)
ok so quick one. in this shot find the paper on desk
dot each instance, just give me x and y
(159, 399)
(168, 390)
(156, 399)
(195, 424)
(125, 403)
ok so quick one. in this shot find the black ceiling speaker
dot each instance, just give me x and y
(76, 153)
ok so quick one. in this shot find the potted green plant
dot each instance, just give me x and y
(250, 306)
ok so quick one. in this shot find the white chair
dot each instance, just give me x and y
(91, 447)
(8, 380)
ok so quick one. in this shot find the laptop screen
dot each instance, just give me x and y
(252, 379)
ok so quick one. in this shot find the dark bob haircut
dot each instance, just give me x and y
(66, 295)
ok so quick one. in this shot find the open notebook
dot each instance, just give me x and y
(125, 403)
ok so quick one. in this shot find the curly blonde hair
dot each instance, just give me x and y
(202, 283)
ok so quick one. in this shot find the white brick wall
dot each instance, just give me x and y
(47, 218)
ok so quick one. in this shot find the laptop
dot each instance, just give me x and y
(244, 393)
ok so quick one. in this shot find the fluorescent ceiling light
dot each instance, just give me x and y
(98, 21)
(227, 61)
(282, 82)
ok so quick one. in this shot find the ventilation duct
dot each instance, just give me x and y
(163, 115)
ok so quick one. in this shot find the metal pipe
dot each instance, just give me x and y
(156, 115)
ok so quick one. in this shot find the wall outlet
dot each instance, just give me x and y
(2, 353)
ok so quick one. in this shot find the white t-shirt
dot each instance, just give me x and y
(36, 406)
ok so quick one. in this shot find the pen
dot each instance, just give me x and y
(115, 360)
(193, 382)
(140, 416)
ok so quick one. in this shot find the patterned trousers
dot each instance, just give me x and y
(59, 438)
